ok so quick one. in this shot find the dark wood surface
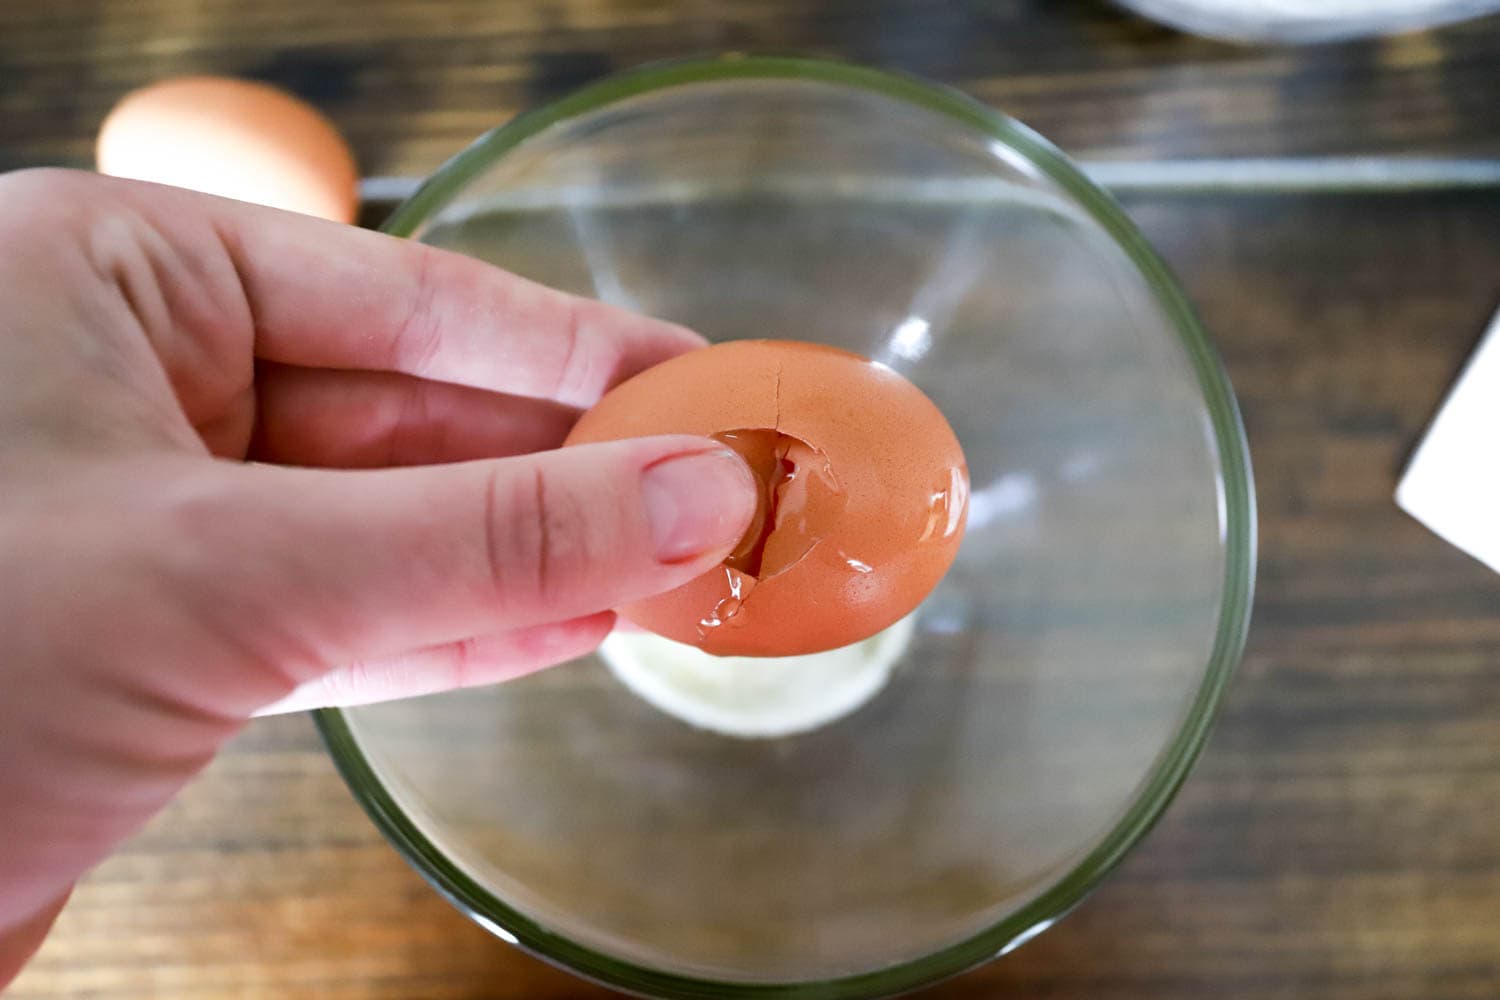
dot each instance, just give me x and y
(1339, 840)
(410, 81)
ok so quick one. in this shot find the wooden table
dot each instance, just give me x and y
(1341, 836)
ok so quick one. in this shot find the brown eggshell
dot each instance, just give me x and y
(233, 138)
(895, 460)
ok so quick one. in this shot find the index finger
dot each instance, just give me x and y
(324, 295)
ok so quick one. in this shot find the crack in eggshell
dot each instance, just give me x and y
(780, 369)
(800, 501)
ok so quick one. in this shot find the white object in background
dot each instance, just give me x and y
(750, 696)
(1304, 21)
(1453, 482)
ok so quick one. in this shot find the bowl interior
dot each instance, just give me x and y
(1064, 666)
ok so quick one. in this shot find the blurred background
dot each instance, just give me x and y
(411, 81)
(1334, 212)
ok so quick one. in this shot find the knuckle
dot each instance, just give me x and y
(462, 668)
(413, 432)
(348, 684)
(584, 356)
(568, 333)
(538, 536)
(419, 335)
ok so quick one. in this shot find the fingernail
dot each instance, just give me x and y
(697, 503)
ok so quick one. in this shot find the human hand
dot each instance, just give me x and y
(399, 527)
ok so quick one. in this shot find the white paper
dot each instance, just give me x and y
(1453, 482)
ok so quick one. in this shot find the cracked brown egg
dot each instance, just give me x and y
(863, 493)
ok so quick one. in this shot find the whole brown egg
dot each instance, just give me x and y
(234, 138)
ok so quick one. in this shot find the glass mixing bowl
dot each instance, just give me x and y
(1052, 692)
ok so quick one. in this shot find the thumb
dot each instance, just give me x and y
(318, 569)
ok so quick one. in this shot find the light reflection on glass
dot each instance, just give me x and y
(1015, 161)
(1012, 494)
(912, 338)
(1023, 937)
(1080, 465)
(599, 257)
(944, 618)
(962, 264)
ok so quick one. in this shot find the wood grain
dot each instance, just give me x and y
(1338, 840)
(412, 81)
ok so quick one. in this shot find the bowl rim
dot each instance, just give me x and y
(1173, 763)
